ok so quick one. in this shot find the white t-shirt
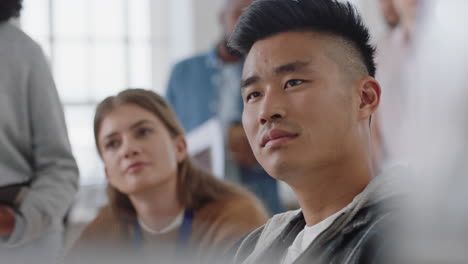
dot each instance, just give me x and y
(310, 233)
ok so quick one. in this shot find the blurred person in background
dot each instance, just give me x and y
(391, 18)
(307, 113)
(38, 174)
(407, 11)
(435, 229)
(207, 86)
(394, 51)
(162, 207)
(251, 174)
(389, 13)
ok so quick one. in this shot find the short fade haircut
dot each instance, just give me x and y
(265, 18)
(9, 9)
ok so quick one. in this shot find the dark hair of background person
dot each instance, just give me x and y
(9, 9)
(195, 187)
(265, 18)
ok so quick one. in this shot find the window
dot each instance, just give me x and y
(96, 48)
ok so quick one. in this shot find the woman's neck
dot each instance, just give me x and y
(157, 207)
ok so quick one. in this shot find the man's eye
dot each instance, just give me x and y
(252, 95)
(291, 83)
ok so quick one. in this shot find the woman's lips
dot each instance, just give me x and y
(136, 167)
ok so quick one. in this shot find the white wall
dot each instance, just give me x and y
(181, 28)
(206, 23)
(372, 16)
(160, 44)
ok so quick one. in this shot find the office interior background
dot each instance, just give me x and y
(99, 47)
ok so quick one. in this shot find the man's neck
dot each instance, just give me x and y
(157, 208)
(325, 191)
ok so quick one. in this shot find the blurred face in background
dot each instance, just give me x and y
(138, 151)
(407, 11)
(230, 15)
(389, 12)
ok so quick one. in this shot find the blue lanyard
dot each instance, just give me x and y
(182, 239)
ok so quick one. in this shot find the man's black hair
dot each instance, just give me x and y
(9, 9)
(265, 18)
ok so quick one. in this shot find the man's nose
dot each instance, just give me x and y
(273, 108)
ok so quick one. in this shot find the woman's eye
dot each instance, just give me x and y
(143, 131)
(252, 95)
(291, 83)
(112, 144)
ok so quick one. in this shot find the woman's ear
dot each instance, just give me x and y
(369, 92)
(181, 148)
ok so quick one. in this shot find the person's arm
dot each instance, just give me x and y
(7, 221)
(55, 178)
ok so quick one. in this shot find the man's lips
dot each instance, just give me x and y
(135, 167)
(277, 137)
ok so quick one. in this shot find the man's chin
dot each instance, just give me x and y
(287, 169)
(278, 171)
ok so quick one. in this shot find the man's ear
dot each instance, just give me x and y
(181, 147)
(369, 93)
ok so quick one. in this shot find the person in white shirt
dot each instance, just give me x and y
(309, 93)
(394, 53)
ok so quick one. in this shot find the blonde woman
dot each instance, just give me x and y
(160, 203)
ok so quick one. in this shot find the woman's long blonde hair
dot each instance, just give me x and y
(195, 187)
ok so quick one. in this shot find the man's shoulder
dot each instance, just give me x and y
(12, 35)
(370, 218)
(190, 73)
(364, 238)
(283, 218)
(277, 224)
(194, 62)
(261, 238)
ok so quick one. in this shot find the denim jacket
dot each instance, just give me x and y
(203, 87)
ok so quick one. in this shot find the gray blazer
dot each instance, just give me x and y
(354, 237)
